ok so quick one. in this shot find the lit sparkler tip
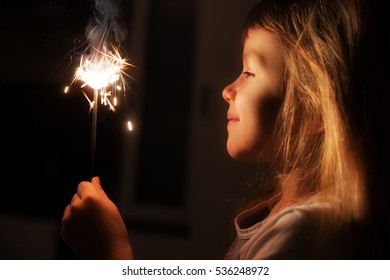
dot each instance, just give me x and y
(103, 71)
(101, 68)
(66, 89)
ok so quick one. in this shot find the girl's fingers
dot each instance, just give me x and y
(75, 198)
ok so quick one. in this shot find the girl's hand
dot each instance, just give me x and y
(92, 225)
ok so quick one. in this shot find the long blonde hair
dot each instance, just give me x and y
(320, 40)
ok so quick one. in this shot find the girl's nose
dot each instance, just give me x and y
(228, 93)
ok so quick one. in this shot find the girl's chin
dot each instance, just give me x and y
(249, 156)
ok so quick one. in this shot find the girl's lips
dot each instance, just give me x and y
(232, 118)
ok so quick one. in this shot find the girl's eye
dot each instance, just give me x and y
(248, 74)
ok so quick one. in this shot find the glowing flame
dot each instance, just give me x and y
(100, 70)
(103, 71)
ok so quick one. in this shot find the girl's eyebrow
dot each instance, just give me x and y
(254, 55)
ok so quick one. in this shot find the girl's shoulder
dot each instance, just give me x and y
(251, 220)
(308, 230)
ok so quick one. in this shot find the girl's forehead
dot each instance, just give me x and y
(260, 38)
(262, 44)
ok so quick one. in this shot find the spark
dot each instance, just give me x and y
(129, 126)
(103, 71)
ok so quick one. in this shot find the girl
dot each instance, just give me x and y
(288, 108)
(293, 108)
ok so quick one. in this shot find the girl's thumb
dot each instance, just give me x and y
(96, 181)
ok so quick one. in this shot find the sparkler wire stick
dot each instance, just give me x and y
(93, 130)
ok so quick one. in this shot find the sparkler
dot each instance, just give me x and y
(102, 70)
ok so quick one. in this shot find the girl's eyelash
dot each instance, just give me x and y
(248, 74)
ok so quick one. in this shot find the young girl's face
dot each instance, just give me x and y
(254, 99)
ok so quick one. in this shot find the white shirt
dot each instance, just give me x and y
(301, 231)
